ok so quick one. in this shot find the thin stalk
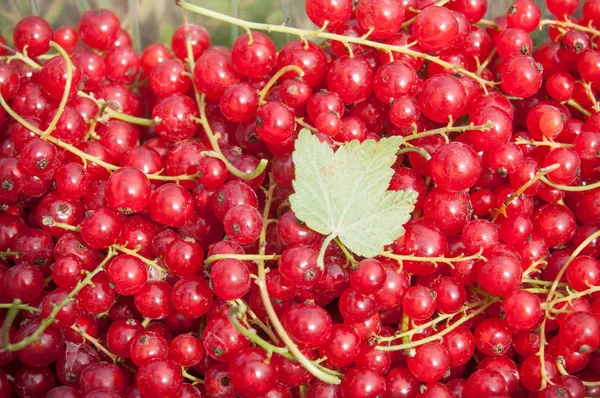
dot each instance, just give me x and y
(303, 33)
(65, 96)
(242, 257)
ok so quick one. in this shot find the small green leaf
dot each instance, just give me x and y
(344, 194)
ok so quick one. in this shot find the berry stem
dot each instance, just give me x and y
(65, 96)
(563, 269)
(443, 131)
(573, 296)
(578, 106)
(412, 20)
(541, 354)
(96, 343)
(22, 307)
(49, 222)
(577, 188)
(14, 309)
(302, 33)
(539, 175)
(446, 260)
(570, 25)
(195, 380)
(46, 322)
(258, 322)
(9, 253)
(104, 108)
(418, 150)
(265, 91)
(551, 144)
(240, 309)
(440, 334)
(242, 257)
(264, 294)
(150, 263)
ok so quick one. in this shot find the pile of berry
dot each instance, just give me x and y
(148, 247)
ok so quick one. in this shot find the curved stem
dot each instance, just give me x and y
(14, 309)
(265, 91)
(541, 354)
(46, 322)
(264, 294)
(195, 380)
(140, 121)
(252, 336)
(150, 263)
(563, 269)
(65, 96)
(579, 188)
(551, 144)
(539, 175)
(96, 343)
(578, 106)
(418, 150)
(570, 25)
(325, 35)
(438, 335)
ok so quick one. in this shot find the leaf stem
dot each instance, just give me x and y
(324, 245)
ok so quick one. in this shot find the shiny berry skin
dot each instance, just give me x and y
(99, 28)
(356, 307)
(493, 336)
(230, 279)
(429, 363)
(168, 78)
(311, 60)
(175, 113)
(243, 224)
(70, 128)
(342, 347)
(351, 79)
(67, 38)
(214, 72)
(251, 372)
(101, 229)
(146, 346)
(128, 191)
(53, 78)
(253, 58)
(45, 350)
(192, 297)
(199, 38)
(435, 28)
(500, 274)
(523, 14)
(580, 332)
(122, 64)
(523, 310)
(171, 205)
(308, 325)
(298, 266)
(531, 372)
(183, 258)
(275, 123)
(35, 33)
(186, 350)
(441, 97)
(154, 300)
(99, 297)
(521, 76)
(127, 273)
(455, 167)
(295, 92)
(9, 81)
(335, 12)
(485, 382)
(159, 377)
(361, 382)
(120, 334)
(239, 102)
(24, 282)
(384, 17)
(222, 341)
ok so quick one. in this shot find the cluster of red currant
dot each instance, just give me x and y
(148, 246)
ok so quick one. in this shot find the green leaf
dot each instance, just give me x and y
(344, 194)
